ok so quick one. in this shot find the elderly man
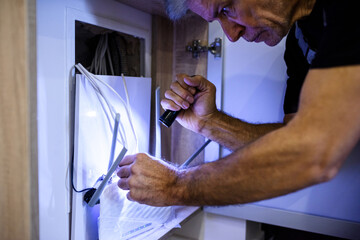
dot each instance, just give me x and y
(322, 103)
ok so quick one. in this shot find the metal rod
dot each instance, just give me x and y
(195, 154)
(101, 188)
(113, 143)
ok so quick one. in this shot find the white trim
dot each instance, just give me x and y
(215, 75)
(295, 220)
(73, 15)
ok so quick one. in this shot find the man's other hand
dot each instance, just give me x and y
(195, 96)
(150, 181)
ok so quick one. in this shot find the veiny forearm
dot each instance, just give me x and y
(310, 149)
(233, 133)
(266, 168)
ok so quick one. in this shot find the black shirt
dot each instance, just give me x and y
(331, 33)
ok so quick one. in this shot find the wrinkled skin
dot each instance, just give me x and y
(147, 178)
(256, 21)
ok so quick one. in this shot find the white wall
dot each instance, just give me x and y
(254, 81)
(55, 56)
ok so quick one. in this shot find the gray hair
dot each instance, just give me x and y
(176, 9)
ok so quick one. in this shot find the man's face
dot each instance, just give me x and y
(255, 20)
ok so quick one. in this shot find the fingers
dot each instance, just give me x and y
(198, 82)
(127, 168)
(169, 105)
(127, 160)
(124, 172)
(174, 102)
(128, 195)
(178, 99)
(123, 183)
(180, 79)
(179, 96)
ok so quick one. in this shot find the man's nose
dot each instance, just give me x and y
(232, 30)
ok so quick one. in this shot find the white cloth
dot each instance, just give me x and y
(123, 219)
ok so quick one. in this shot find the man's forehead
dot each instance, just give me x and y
(205, 8)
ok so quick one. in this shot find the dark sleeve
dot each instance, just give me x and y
(340, 42)
(297, 68)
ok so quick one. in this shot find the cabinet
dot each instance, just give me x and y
(36, 128)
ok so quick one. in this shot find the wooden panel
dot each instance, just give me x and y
(18, 141)
(169, 58)
(185, 142)
(161, 72)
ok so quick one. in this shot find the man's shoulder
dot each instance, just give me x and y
(332, 32)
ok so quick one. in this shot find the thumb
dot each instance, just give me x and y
(197, 81)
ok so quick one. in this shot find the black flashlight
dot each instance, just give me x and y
(168, 117)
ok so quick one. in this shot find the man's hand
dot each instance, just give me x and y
(196, 96)
(150, 181)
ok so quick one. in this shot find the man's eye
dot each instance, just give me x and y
(226, 11)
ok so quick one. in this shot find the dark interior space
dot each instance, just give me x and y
(281, 233)
(106, 52)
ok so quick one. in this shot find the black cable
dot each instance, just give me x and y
(72, 177)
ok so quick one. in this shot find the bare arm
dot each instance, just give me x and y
(309, 150)
(234, 133)
(196, 96)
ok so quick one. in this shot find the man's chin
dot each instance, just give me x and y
(268, 39)
(272, 42)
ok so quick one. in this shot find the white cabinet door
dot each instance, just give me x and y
(55, 59)
(250, 79)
